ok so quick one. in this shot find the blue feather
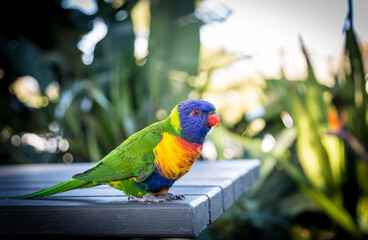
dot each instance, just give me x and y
(155, 183)
(194, 128)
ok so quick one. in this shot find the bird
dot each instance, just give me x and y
(147, 164)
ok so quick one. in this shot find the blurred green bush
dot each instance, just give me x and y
(314, 183)
(98, 104)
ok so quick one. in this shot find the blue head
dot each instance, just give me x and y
(196, 118)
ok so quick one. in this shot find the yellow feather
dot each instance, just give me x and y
(174, 157)
(174, 119)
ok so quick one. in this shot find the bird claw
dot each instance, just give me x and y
(145, 198)
(167, 197)
(170, 196)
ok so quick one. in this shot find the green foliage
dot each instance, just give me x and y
(314, 178)
(126, 96)
(100, 104)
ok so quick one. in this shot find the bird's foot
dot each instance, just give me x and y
(170, 196)
(145, 198)
(167, 197)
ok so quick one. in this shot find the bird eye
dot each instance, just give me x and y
(195, 112)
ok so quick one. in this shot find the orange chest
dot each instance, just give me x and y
(174, 157)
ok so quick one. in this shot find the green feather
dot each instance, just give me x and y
(61, 187)
(133, 158)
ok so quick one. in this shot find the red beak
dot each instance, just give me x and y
(213, 120)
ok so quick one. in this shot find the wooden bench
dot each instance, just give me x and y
(209, 188)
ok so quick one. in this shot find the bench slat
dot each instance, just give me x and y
(209, 188)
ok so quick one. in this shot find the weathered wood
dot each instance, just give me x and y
(209, 188)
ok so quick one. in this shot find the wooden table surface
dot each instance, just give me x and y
(209, 188)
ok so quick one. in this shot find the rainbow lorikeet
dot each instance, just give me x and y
(148, 163)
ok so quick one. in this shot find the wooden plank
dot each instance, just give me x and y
(112, 219)
(210, 188)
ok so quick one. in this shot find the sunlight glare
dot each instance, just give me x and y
(121, 15)
(5, 134)
(141, 18)
(88, 42)
(67, 158)
(15, 140)
(53, 91)
(209, 150)
(54, 126)
(268, 142)
(141, 47)
(287, 119)
(28, 91)
(255, 112)
(63, 145)
(88, 7)
(43, 143)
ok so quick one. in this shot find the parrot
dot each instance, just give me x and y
(147, 164)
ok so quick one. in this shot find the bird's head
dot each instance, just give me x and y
(193, 119)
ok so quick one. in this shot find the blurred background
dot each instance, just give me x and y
(288, 78)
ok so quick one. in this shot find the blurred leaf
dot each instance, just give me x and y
(99, 97)
(295, 204)
(313, 95)
(173, 48)
(358, 118)
(67, 96)
(336, 155)
(92, 144)
(362, 208)
(340, 215)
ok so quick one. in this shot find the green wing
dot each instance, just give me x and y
(133, 158)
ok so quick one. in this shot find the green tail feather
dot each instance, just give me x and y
(61, 187)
